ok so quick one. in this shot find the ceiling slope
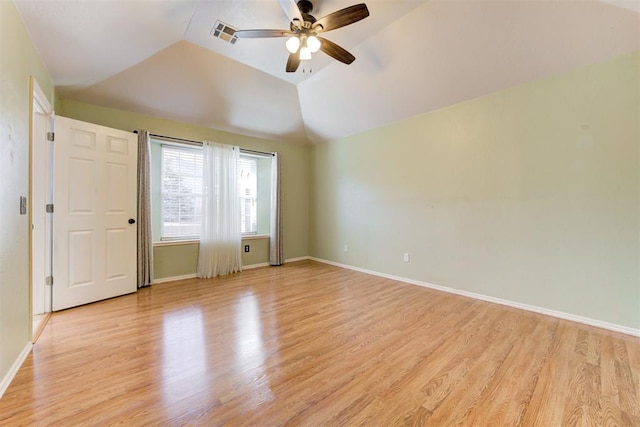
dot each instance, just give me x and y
(458, 51)
(188, 83)
(84, 42)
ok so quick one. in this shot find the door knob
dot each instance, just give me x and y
(132, 221)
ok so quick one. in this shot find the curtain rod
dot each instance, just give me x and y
(190, 141)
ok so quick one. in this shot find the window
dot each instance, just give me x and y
(181, 192)
(248, 188)
(176, 181)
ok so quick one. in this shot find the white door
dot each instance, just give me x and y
(94, 250)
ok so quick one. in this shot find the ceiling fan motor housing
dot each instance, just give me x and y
(309, 20)
(305, 6)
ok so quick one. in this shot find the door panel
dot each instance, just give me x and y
(116, 180)
(117, 262)
(95, 195)
(80, 256)
(81, 183)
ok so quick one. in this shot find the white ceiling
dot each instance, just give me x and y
(159, 58)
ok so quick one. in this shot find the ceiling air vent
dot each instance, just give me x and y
(225, 32)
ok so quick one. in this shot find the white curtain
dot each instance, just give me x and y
(276, 249)
(220, 236)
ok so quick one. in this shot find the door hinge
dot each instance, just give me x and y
(49, 280)
(49, 208)
(51, 136)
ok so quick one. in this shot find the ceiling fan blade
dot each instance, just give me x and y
(293, 62)
(342, 17)
(335, 51)
(290, 8)
(260, 34)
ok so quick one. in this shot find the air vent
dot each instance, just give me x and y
(224, 32)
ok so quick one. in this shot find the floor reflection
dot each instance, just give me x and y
(249, 343)
(184, 354)
(251, 353)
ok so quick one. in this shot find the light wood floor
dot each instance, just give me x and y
(310, 344)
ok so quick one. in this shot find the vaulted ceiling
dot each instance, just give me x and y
(161, 58)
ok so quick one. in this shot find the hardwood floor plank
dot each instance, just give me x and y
(454, 410)
(509, 392)
(627, 387)
(445, 367)
(609, 397)
(308, 344)
(552, 379)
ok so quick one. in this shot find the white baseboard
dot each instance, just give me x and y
(300, 258)
(13, 370)
(174, 278)
(559, 314)
(251, 266)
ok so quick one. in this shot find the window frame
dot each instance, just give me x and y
(180, 147)
(254, 158)
(262, 197)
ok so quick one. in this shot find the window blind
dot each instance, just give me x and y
(248, 187)
(181, 192)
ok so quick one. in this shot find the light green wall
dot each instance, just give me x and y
(258, 251)
(182, 260)
(530, 194)
(18, 61)
(179, 260)
(175, 261)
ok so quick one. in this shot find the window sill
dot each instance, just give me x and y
(255, 236)
(175, 243)
(194, 242)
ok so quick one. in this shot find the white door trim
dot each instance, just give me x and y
(39, 183)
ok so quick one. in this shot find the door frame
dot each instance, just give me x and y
(39, 105)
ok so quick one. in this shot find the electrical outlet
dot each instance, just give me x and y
(346, 248)
(247, 248)
(406, 257)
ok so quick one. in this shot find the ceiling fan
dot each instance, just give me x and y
(304, 30)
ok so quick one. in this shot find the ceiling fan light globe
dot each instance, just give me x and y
(305, 53)
(313, 43)
(293, 44)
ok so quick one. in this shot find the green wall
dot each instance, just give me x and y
(18, 61)
(182, 260)
(171, 261)
(530, 195)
